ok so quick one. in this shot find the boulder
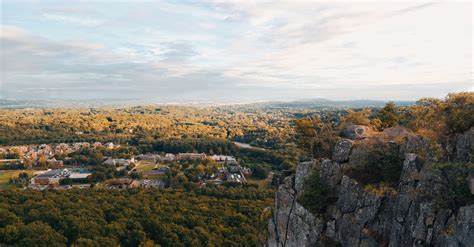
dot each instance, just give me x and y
(331, 173)
(342, 150)
(394, 134)
(357, 132)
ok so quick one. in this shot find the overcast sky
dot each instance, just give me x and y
(179, 51)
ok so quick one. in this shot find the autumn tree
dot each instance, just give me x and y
(459, 111)
(315, 136)
(388, 116)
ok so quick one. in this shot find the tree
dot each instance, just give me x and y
(315, 195)
(66, 181)
(40, 234)
(388, 116)
(136, 175)
(42, 161)
(315, 136)
(14, 153)
(356, 117)
(459, 111)
(259, 171)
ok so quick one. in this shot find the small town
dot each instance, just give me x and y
(51, 167)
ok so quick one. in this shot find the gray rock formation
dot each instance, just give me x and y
(354, 132)
(342, 150)
(465, 146)
(414, 214)
(291, 224)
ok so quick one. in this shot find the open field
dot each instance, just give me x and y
(147, 166)
(5, 176)
(262, 183)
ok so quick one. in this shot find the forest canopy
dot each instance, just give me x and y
(202, 217)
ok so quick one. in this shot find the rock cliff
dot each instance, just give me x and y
(419, 212)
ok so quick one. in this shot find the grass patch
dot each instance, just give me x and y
(145, 166)
(262, 183)
(5, 176)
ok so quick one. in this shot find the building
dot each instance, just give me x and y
(234, 173)
(56, 163)
(223, 158)
(111, 145)
(50, 177)
(152, 158)
(122, 183)
(153, 183)
(156, 172)
(190, 156)
(79, 176)
(168, 157)
(96, 145)
(54, 177)
(119, 162)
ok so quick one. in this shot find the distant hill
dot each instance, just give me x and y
(318, 103)
(309, 103)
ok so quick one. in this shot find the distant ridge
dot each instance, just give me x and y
(307, 103)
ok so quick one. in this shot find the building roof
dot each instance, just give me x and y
(79, 175)
(50, 174)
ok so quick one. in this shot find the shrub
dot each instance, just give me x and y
(259, 171)
(381, 164)
(315, 196)
(380, 189)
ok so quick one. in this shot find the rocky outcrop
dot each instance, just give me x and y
(342, 150)
(291, 224)
(415, 213)
(465, 146)
(357, 132)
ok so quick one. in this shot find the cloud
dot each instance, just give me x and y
(178, 52)
(389, 44)
(69, 19)
(238, 49)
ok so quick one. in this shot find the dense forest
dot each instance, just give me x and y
(143, 125)
(200, 217)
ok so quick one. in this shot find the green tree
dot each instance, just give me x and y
(315, 195)
(259, 171)
(136, 175)
(40, 234)
(388, 116)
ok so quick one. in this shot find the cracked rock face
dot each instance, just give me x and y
(465, 146)
(409, 217)
(291, 224)
(342, 150)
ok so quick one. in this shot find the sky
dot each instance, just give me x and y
(234, 51)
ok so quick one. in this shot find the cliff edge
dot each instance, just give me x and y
(421, 210)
